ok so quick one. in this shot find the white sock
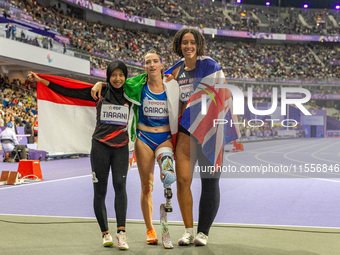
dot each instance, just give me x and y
(190, 230)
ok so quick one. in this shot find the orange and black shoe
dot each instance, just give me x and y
(151, 237)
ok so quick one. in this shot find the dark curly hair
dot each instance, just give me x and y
(199, 39)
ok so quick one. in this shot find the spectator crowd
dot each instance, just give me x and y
(17, 104)
(238, 59)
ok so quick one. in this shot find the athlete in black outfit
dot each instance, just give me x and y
(109, 145)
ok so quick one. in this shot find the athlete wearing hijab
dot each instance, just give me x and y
(109, 146)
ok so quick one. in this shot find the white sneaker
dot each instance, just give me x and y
(107, 240)
(122, 244)
(201, 239)
(186, 239)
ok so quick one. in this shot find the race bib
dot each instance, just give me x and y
(185, 91)
(155, 109)
(114, 114)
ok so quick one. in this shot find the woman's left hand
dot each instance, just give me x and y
(169, 77)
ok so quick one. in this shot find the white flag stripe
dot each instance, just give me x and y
(199, 117)
(59, 128)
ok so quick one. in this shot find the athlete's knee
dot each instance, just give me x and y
(184, 177)
(164, 156)
(183, 153)
(210, 184)
(99, 193)
(183, 182)
(147, 189)
(119, 185)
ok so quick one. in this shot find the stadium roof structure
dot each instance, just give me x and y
(16, 65)
(329, 4)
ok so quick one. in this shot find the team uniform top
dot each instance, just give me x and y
(112, 113)
(185, 81)
(153, 111)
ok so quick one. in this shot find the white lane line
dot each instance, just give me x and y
(286, 147)
(270, 147)
(137, 221)
(43, 182)
(256, 156)
(313, 155)
(319, 179)
(285, 155)
(49, 216)
(303, 162)
(273, 152)
(270, 162)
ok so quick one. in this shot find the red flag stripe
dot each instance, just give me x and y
(44, 93)
(69, 83)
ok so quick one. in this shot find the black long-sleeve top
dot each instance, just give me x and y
(111, 134)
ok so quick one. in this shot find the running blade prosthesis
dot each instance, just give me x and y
(164, 209)
(164, 227)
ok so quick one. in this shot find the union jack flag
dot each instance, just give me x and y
(208, 74)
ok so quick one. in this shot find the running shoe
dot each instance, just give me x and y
(151, 237)
(186, 239)
(107, 240)
(201, 239)
(122, 244)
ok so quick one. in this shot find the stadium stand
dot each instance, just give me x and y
(249, 18)
(88, 37)
(243, 62)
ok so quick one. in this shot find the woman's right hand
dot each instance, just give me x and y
(97, 90)
(34, 77)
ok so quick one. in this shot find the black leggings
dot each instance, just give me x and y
(210, 195)
(102, 157)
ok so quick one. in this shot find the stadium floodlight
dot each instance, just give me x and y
(267, 3)
(238, 1)
(305, 6)
(337, 7)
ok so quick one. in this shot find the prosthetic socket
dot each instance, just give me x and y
(164, 156)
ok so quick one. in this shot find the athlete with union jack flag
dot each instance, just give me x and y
(198, 138)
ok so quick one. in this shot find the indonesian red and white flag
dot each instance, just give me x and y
(66, 124)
